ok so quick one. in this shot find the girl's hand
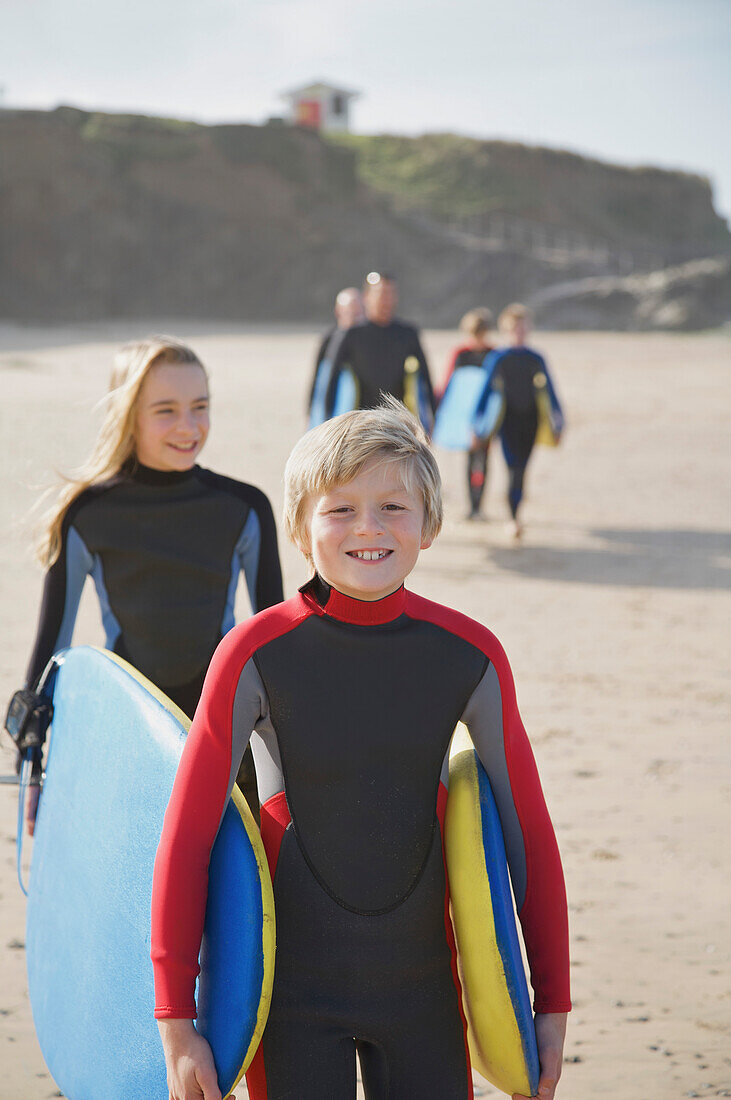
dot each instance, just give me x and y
(190, 1068)
(550, 1035)
(31, 808)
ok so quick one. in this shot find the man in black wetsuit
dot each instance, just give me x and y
(376, 351)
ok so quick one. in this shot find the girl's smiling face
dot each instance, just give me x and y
(365, 536)
(172, 417)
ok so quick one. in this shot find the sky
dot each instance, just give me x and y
(628, 81)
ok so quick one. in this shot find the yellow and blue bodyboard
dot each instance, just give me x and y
(495, 996)
(550, 418)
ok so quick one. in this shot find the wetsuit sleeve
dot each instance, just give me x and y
(258, 556)
(61, 594)
(232, 703)
(498, 734)
(490, 365)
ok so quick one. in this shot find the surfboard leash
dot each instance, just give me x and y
(26, 773)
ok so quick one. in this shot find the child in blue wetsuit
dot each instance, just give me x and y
(352, 690)
(518, 372)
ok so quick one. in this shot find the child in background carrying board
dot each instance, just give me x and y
(475, 325)
(518, 371)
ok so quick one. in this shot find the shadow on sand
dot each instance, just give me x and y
(646, 558)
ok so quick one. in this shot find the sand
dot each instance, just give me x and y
(614, 611)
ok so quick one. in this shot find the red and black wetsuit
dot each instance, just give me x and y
(353, 705)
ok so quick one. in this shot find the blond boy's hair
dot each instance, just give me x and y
(516, 311)
(337, 451)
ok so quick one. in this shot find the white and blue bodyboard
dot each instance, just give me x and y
(346, 394)
(115, 746)
(454, 424)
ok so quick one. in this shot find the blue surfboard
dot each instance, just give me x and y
(115, 746)
(346, 394)
(454, 426)
(319, 392)
(496, 1002)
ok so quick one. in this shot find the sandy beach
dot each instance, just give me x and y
(614, 611)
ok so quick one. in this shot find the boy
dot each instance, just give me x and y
(515, 369)
(353, 689)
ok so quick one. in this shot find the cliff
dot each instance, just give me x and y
(128, 216)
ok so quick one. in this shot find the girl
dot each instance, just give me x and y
(475, 325)
(163, 539)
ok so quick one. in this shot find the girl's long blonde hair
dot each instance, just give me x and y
(115, 444)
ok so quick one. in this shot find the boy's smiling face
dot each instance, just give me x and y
(365, 536)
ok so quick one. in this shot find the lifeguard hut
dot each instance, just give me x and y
(320, 106)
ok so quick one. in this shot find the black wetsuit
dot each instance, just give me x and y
(353, 705)
(376, 355)
(165, 551)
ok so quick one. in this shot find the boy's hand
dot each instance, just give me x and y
(550, 1035)
(189, 1062)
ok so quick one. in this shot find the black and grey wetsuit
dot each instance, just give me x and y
(353, 705)
(165, 551)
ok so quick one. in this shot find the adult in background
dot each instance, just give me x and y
(521, 374)
(164, 540)
(384, 355)
(348, 312)
(475, 325)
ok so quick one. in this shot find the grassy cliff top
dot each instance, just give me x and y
(449, 176)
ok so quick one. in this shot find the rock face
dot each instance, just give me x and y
(695, 295)
(126, 216)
